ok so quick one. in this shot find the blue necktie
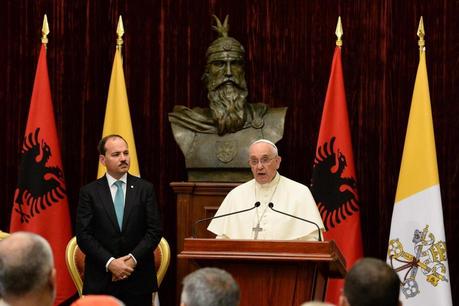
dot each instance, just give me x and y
(119, 202)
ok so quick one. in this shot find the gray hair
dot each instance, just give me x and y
(210, 287)
(276, 151)
(26, 263)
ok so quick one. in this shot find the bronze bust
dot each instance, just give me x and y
(215, 140)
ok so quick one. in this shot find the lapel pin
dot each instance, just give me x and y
(132, 186)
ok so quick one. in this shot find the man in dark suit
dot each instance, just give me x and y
(118, 228)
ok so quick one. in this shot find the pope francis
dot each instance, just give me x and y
(268, 186)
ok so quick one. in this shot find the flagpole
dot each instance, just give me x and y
(418, 205)
(40, 200)
(421, 34)
(340, 216)
(117, 115)
(339, 32)
(44, 31)
(119, 33)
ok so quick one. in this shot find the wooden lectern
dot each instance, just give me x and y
(195, 200)
(271, 272)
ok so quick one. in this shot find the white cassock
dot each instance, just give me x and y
(286, 195)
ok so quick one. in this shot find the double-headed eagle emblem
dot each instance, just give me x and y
(39, 186)
(335, 195)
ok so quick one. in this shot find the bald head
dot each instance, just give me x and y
(316, 303)
(102, 300)
(26, 266)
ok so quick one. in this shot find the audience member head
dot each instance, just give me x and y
(27, 274)
(371, 282)
(210, 287)
(97, 300)
(316, 303)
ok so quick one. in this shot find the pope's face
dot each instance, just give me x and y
(116, 158)
(263, 162)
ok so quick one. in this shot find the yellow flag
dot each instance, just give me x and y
(417, 244)
(117, 115)
(419, 162)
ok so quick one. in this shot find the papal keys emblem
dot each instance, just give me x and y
(428, 257)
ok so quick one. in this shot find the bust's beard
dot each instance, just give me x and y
(227, 103)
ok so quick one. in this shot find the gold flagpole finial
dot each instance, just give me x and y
(339, 32)
(44, 31)
(421, 34)
(120, 33)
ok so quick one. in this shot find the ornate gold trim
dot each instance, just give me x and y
(165, 260)
(3, 235)
(70, 253)
(72, 248)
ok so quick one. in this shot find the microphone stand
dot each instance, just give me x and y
(271, 205)
(193, 229)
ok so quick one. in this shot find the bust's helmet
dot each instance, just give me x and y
(224, 46)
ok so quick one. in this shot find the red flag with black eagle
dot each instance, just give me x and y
(333, 177)
(40, 200)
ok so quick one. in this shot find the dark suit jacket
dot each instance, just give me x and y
(99, 236)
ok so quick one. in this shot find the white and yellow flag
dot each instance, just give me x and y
(117, 115)
(417, 245)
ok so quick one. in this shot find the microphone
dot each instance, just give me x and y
(271, 205)
(193, 229)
